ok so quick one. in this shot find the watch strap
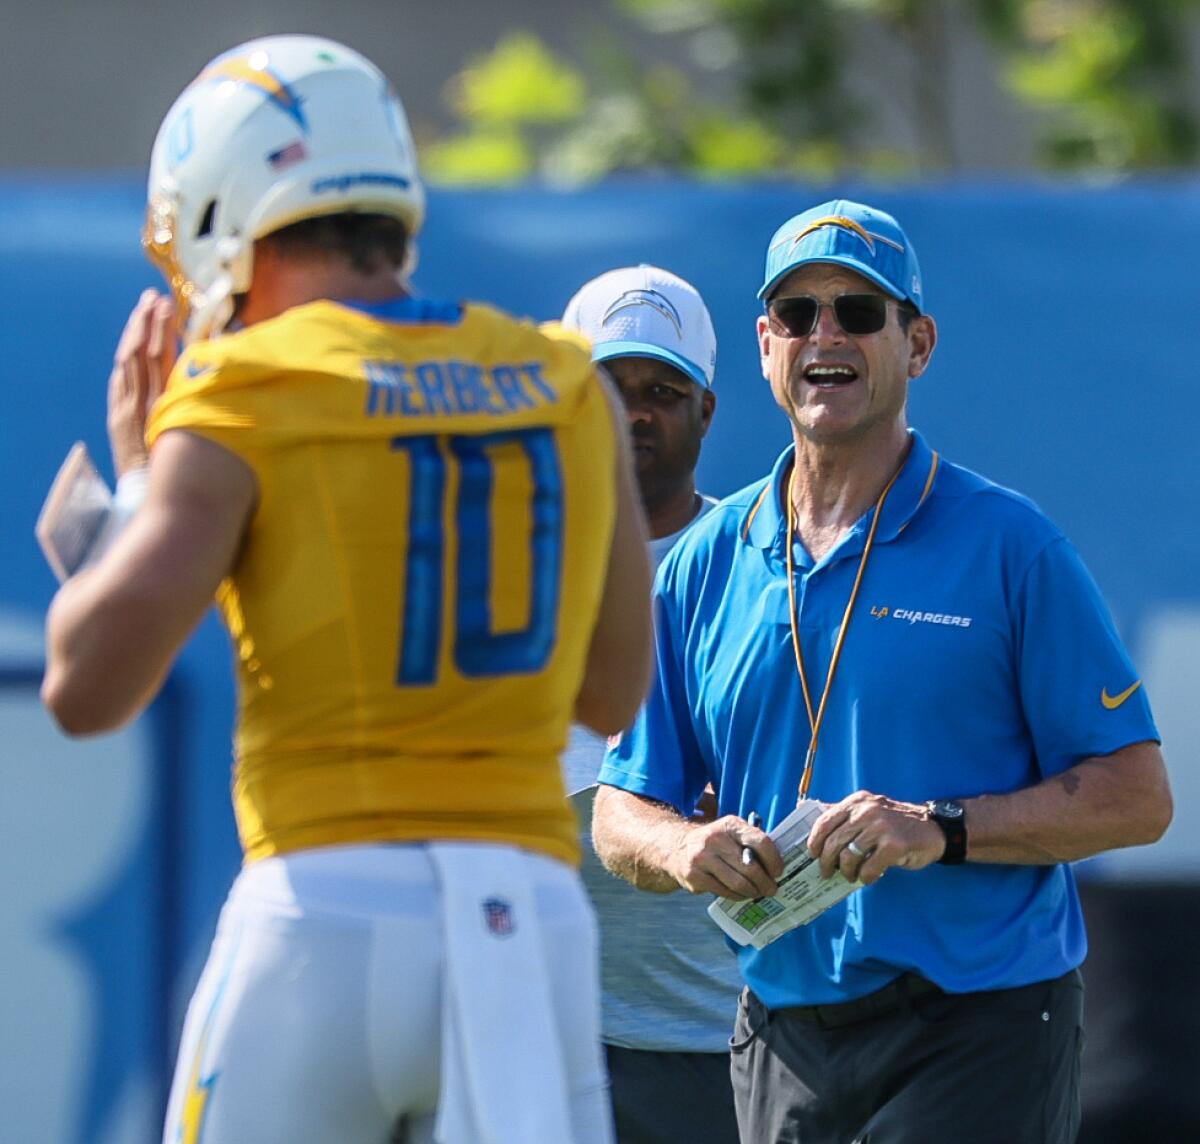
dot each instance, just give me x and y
(954, 827)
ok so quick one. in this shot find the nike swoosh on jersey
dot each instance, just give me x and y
(194, 369)
(1112, 702)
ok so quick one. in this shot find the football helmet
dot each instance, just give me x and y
(273, 131)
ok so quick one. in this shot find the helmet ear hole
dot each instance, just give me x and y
(205, 226)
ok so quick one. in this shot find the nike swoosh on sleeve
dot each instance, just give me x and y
(1112, 702)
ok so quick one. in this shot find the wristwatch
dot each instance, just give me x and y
(952, 818)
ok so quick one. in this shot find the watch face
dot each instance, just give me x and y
(945, 809)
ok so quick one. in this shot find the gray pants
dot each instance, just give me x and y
(670, 1098)
(917, 1065)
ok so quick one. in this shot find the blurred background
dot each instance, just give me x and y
(1043, 157)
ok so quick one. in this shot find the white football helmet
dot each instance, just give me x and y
(273, 131)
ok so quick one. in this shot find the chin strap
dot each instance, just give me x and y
(212, 311)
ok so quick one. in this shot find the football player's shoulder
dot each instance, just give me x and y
(240, 358)
(568, 353)
(557, 333)
(510, 337)
(558, 362)
(219, 383)
(202, 368)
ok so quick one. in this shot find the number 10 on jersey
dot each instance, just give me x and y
(478, 651)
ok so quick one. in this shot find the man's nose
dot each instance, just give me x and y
(636, 410)
(828, 329)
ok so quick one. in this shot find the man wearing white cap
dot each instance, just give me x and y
(669, 984)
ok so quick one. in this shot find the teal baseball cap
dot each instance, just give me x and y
(861, 238)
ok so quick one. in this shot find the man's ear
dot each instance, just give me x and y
(708, 403)
(764, 345)
(922, 338)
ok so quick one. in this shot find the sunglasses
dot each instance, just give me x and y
(857, 314)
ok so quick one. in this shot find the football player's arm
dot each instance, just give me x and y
(621, 654)
(114, 630)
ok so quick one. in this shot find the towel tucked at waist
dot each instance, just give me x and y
(503, 1076)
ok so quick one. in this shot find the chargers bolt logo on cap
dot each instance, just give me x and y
(861, 238)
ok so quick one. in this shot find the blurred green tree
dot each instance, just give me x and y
(1110, 77)
(1104, 83)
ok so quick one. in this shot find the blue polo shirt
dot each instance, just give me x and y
(978, 661)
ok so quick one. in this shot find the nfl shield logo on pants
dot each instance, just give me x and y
(499, 917)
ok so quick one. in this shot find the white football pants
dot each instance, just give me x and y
(326, 1013)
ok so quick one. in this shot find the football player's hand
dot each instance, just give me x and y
(710, 859)
(141, 366)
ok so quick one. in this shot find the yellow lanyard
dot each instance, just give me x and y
(815, 720)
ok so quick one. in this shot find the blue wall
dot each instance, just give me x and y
(1066, 367)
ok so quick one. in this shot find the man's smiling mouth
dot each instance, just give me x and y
(829, 376)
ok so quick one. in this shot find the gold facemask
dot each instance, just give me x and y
(158, 241)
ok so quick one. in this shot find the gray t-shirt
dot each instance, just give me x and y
(669, 982)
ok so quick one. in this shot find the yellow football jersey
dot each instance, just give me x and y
(414, 603)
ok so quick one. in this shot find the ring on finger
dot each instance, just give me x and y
(855, 849)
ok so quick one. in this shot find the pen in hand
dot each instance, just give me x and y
(753, 819)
